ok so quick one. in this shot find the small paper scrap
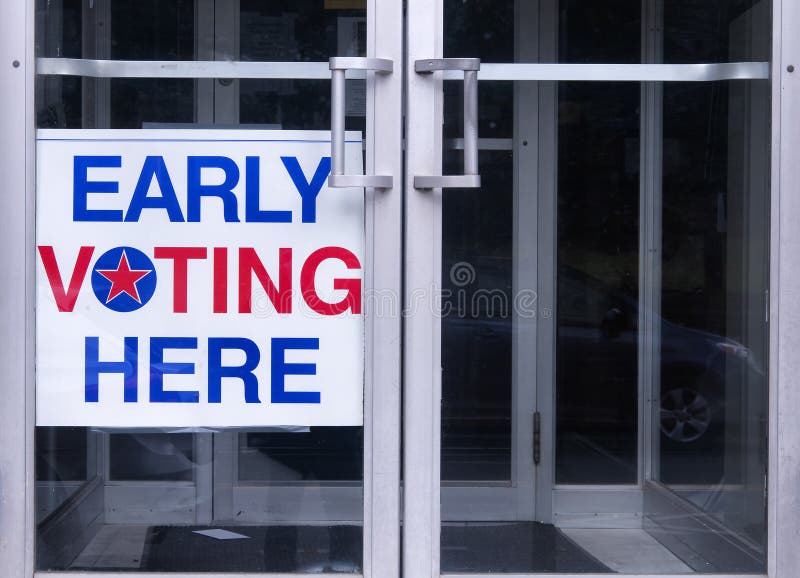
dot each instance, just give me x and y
(220, 534)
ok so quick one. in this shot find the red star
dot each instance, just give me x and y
(123, 279)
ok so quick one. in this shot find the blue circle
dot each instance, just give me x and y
(139, 282)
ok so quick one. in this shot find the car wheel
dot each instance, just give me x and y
(685, 414)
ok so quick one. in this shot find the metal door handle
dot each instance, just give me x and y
(338, 66)
(470, 178)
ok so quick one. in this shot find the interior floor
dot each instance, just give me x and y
(471, 547)
(270, 549)
(628, 551)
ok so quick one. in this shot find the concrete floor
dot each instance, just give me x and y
(628, 551)
(114, 546)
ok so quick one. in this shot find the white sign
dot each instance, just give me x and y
(197, 278)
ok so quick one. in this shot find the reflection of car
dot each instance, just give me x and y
(597, 373)
(598, 338)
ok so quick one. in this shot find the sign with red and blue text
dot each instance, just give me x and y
(197, 278)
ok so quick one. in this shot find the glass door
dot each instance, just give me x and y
(586, 287)
(279, 499)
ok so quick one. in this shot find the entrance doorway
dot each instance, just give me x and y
(584, 341)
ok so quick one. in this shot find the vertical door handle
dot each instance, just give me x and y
(338, 66)
(470, 178)
(537, 438)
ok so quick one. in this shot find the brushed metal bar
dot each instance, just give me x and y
(468, 69)
(697, 72)
(188, 69)
(338, 66)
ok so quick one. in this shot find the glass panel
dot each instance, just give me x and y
(298, 30)
(62, 466)
(711, 440)
(131, 500)
(63, 456)
(331, 454)
(597, 288)
(477, 241)
(543, 468)
(58, 99)
(476, 329)
(599, 32)
(152, 31)
(151, 456)
(485, 29)
(479, 29)
(713, 381)
(597, 250)
(716, 31)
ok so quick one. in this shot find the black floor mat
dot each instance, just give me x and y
(306, 549)
(513, 547)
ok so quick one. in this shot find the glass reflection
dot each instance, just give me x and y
(712, 411)
(598, 276)
(477, 326)
(297, 30)
(713, 406)
(298, 454)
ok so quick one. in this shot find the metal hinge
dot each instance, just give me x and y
(537, 438)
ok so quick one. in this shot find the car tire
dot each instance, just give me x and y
(685, 414)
